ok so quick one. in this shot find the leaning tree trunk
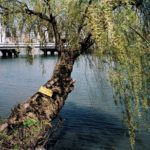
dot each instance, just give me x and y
(36, 114)
(29, 122)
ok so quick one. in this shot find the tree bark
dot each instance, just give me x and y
(40, 107)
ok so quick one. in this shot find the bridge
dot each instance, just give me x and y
(8, 50)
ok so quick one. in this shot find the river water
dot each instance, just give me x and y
(92, 120)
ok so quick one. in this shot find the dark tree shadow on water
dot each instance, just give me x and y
(88, 129)
(85, 128)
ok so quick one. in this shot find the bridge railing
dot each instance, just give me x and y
(25, 45)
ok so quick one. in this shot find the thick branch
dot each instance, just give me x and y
(26, 10)
(39, 14)
(136, 3)
(86, 43)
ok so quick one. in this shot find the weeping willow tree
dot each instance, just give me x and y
(119, 33)
(122, 37)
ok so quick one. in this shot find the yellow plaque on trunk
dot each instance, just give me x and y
(46, 91)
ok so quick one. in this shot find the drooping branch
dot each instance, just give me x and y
(58, 42)
(2, 7)
(148, 42)
(84, 16)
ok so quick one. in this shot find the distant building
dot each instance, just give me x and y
(6, 37)
(23, 38)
